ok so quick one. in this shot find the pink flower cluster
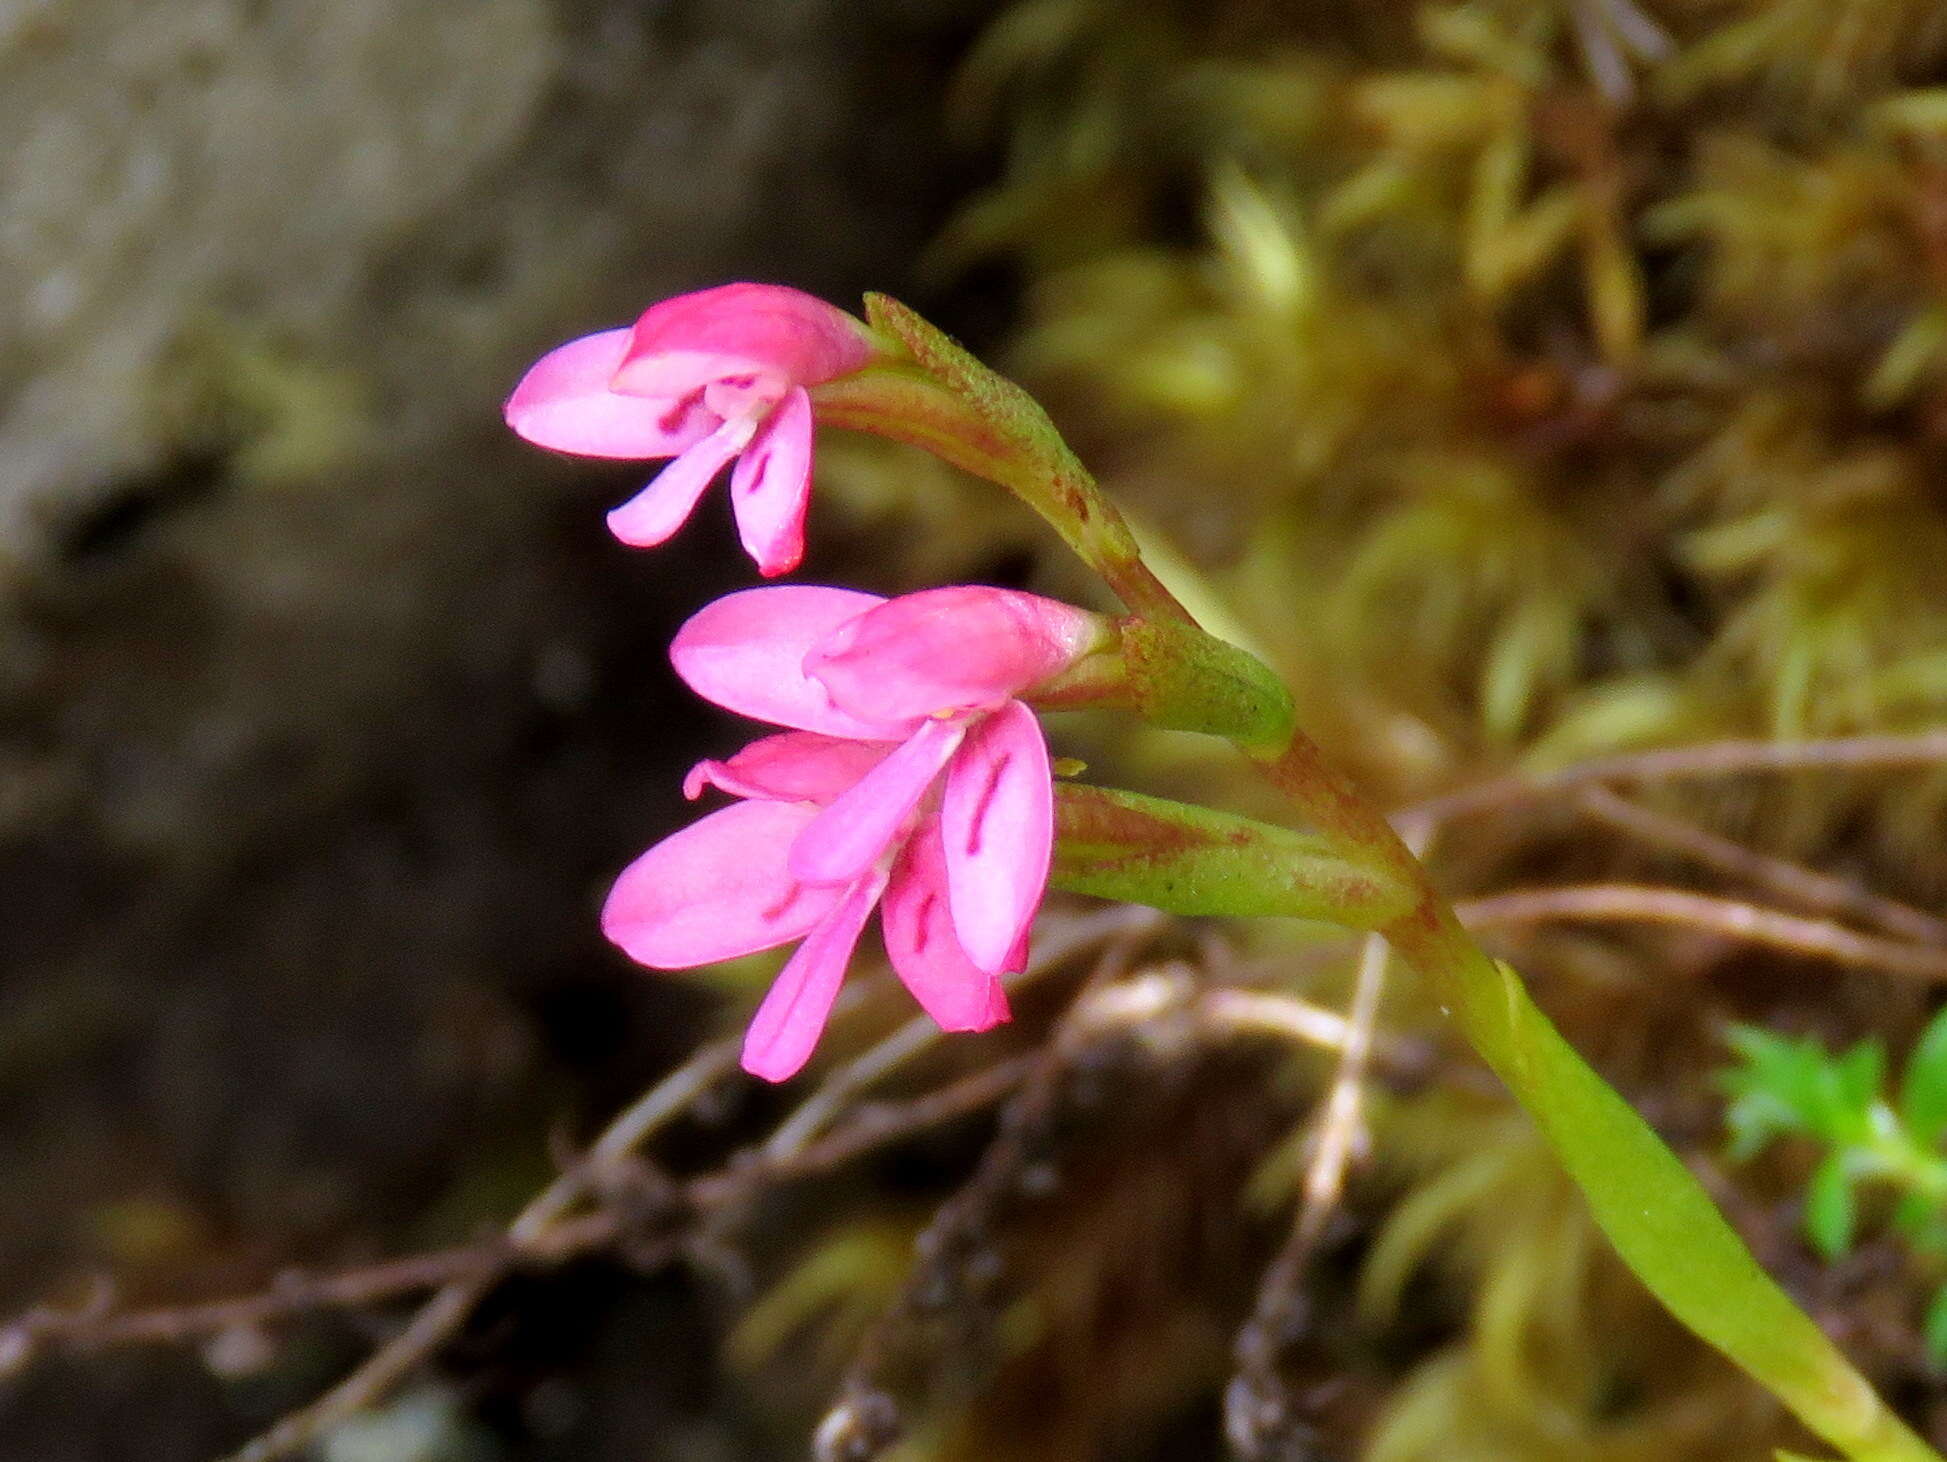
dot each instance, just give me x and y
(702, 378)
(911, 776)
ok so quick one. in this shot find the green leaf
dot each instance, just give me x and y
(1788, 1086)
(1659, 1219)
(1923, 1087)
(1830, 1210)
(1933, 1329)
(1919, 1218)
(1858, 1077)
(1774, 1093)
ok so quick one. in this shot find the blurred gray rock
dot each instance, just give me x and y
(311, 203)
(326, 709)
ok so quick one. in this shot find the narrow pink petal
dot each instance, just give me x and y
(787, 1025)
(772, 485)
(716, 890)
(942, 651)
(564, 402)
(746, 653)
(924, 949)
(852, 833)
(798, 766)
(655, 513)
(682, 344)
(997, 819)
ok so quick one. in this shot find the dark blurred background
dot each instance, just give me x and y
(329, 708)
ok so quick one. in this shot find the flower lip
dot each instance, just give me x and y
(746, 653)
(925, 948)
(950, 651)
(777, 335)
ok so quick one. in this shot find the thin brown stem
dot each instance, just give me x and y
(1683, 763)
(1259, 1411)
(1731, 918)
(609, 1157)
(447, 1311)
(1819, 892)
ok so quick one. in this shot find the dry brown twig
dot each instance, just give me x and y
(443, 1315)
(1818, 892)
(864, 1420)
(1919, 949)
(1164, 1004)
(1259, 1412)
(1633, 903)
(572, 1215)
(1683, 763)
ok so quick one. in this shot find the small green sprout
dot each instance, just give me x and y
(1795, 1087)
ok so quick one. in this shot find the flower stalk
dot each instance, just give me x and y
(1657, 1216)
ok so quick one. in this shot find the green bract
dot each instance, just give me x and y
(1190, 860)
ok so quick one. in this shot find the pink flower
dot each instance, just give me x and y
(703, 378)
(913, 778)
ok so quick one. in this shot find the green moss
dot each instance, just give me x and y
(1528, 381)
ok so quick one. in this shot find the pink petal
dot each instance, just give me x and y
(798, 766)
(564, 402)
(924, 949)
(1017, 957)
(787, 1025)
(772, 485)
(943, 651)
(997, 819)
(685, 343)
(716, 890)
(746, 653)
(655, 513)
(851, 834)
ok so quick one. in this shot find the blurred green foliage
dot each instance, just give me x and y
(1528, 380)
(1795, 1087)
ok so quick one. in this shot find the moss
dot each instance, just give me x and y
(1529, 381)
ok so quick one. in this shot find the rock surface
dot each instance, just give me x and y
(326, 709)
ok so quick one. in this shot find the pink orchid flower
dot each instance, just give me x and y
(912, 778)
(702, 378)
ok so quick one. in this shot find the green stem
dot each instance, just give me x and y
(1656, 1214)
(1658, 1217)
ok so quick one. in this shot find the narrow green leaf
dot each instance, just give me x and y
(1923, 1087)
(1831, 1211)
(1661, 1221)
(1791, 1084)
